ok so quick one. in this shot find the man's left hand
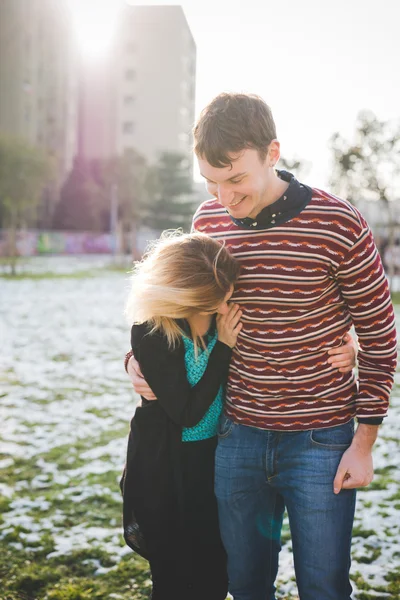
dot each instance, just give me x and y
(356, 468)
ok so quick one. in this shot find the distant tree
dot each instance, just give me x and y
(129, 173)
(99, 190)
(80, 205)
(368, 166)
(24, 173)
(126, 177)
(297, 166)
(169, 200)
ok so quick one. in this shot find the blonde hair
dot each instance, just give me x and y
(179, 276)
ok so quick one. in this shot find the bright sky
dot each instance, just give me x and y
(316, 63)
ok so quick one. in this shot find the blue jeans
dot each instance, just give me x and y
(258, 474)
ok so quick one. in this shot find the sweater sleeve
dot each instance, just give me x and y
(364, 287)
(164, 370)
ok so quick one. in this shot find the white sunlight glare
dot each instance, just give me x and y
(95, 24)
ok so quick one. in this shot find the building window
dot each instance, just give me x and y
(130, 74)
(129, 100)
(127, 127)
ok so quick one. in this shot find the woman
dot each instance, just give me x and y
(184, 353)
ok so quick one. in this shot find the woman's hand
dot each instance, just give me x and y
(344, 357)
(228, 325)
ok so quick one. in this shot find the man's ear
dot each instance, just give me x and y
(274, 152)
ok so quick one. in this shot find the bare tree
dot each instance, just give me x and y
(24, 173)
(368, 167)
(170, 202)
(298, 166)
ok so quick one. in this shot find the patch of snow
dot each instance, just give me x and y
(63, 343)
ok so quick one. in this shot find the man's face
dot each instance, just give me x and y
(243, 187)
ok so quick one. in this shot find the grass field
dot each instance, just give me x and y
(65, 408)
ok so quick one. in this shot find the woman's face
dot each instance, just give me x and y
(222, 308)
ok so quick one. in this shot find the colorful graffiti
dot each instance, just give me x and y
(31, 243)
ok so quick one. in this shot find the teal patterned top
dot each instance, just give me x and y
(195, 367)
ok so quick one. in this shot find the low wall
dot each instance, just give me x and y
(31, 243)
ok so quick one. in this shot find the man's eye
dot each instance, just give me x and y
(238, 181)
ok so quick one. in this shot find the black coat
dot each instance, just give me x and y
(152, 480)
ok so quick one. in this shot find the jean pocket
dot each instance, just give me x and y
(225, 427)
(333, 438)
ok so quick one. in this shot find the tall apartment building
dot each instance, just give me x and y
(140, 95)
(143, 97)
(38, 87)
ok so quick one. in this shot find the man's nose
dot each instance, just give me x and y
(225, 195)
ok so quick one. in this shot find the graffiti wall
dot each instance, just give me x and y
(30, 243)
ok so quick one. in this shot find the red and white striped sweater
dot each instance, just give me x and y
(301, 286)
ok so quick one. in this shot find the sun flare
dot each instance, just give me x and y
(95, 24)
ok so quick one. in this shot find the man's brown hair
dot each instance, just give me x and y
(231, 123)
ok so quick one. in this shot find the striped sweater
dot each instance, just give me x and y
(302, 284)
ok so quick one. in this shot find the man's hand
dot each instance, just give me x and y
(356, 469)
(344, 357)
(138, 381)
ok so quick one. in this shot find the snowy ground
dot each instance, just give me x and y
(65, 408)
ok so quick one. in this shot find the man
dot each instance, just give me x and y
(309, 269)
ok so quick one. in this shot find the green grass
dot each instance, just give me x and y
(363, 533)
(396, 297)
(98, 271)
(30, 576)
(24, 269)
(48, 275)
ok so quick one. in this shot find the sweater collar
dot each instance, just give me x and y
(288, 206)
